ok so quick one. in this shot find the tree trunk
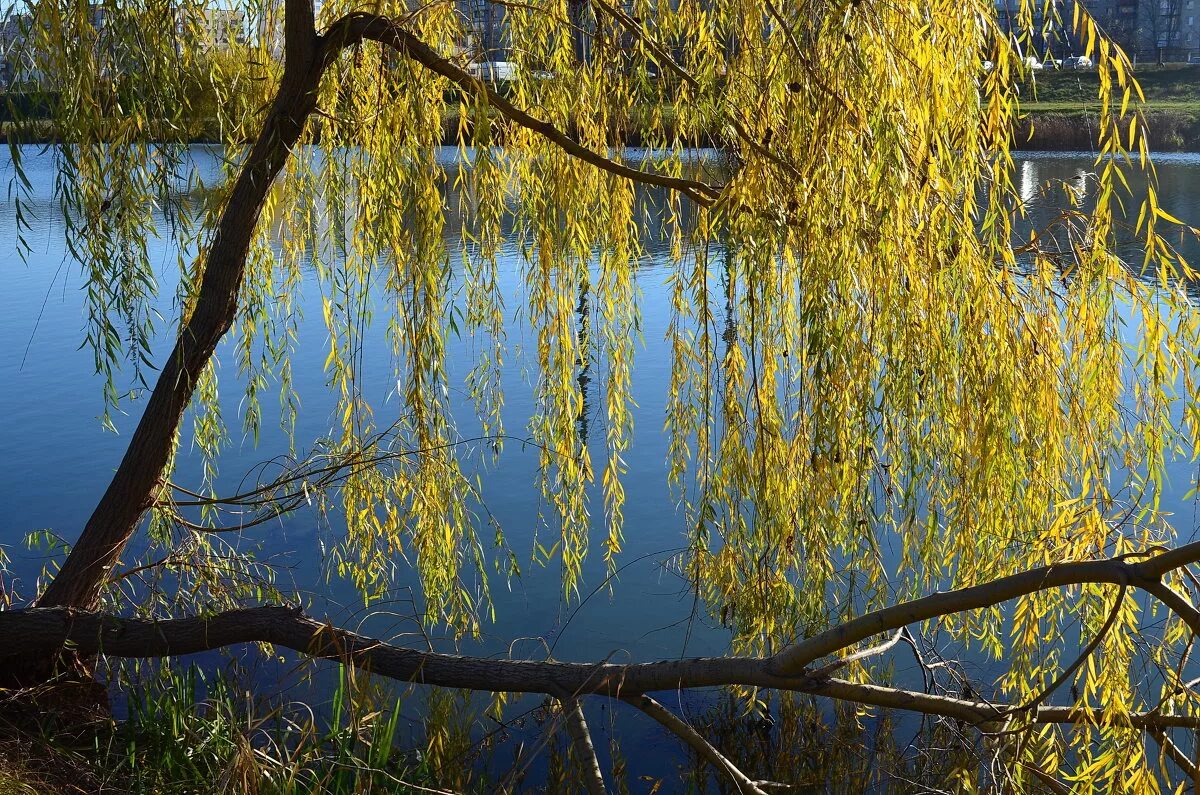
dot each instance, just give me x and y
(138, 479)
(136, 483)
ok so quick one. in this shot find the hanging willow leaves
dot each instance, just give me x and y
(872, 342)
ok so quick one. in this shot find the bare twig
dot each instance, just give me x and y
(842, 662)
(683, 730)
(1177, 756)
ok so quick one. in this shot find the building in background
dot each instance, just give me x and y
(484, 24)
(224, 28)
(1169, 30)
(1120, 19)
(1153, 31)
(12, 36)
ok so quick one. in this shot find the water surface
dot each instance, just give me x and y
(58, 457)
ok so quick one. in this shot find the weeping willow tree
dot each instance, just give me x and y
(915, 362)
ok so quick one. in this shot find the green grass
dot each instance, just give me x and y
(1171, 86)
(11, 785)
(186, 735)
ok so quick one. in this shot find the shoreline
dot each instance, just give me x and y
(1073, 129)
(1170, 130)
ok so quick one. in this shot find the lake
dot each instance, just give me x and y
(59, 457)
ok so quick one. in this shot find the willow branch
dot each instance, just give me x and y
(1146, 575)
(359, 26)
(683, 730)
(1177, 603)
(582, 738)
(807, 62)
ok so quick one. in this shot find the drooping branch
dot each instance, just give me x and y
(358, 27)
(138, 479)
(664, 59)
(1051, 783)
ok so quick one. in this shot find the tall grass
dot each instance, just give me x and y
(188, 733)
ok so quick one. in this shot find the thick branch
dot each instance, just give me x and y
(793, 660)
(582, 738)
(47, 631)
(362, 26)
(1177, 756)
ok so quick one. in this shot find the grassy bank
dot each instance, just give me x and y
(1074, 129)
(1061, 108)
(1167, 85)
(183, 734)
(1063, 112)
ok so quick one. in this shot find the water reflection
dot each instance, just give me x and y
(50, 404)
(1049, 183)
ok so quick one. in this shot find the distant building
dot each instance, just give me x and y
(224, 28)
(1044, 37)
(1170, 31)
(1120, 19)
(486, 38)
(17, 65)
(1147, 30)
(11, 37)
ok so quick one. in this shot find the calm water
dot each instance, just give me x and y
(58, 458)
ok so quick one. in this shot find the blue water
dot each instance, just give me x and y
(58, 457)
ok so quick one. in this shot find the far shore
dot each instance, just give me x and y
(1060, 107)
(1047, 125)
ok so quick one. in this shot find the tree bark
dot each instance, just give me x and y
(134, 487)
(48, 631)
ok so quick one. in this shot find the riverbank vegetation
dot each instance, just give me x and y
(187, 731)
(1063, 111)
(903, 403)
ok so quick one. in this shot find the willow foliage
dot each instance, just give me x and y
(874, 346)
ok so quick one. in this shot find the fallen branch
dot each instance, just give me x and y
(53, 630)
(578, 728)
